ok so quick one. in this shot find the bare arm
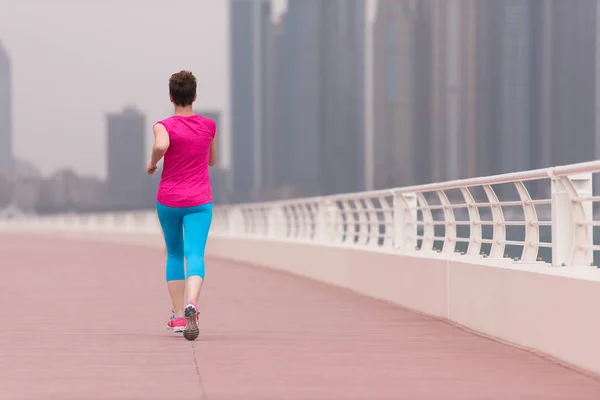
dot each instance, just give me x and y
(161, 144)
(213, 152)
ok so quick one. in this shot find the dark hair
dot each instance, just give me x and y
(182, 87)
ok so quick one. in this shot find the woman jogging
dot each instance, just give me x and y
(184, 198)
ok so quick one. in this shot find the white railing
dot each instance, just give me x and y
(540, 215)
(121, 222)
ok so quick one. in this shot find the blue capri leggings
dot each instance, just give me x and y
(185, 231)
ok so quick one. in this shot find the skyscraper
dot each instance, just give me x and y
(275, 165)
(572, 87)
(342, 96)
(6, 127)
(491, 87)
(440, 52)
(393, 93)
(408, 93)
(249, 21)
(301, 101)
(422, 88)
(453, 89)
(515, 74)
(322, 110)
(453, 55)
(505, 58)
(536, 73)
(468, 96)
(127, 183)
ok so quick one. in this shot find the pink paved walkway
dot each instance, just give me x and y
(84, 320)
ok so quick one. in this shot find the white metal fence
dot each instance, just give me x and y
(541, 215)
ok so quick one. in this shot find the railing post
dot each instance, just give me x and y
(275, 230)
(572, 235)
(325, 220)
(236, 222)
(405, 221)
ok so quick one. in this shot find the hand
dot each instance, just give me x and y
(150, 169)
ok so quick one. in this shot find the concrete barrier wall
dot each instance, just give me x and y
(552, 310)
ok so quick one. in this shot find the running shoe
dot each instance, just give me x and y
(176, 324)
(191, 331)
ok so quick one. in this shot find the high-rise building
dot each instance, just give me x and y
(301, 101)
(440, 52)
(536, 80)
(6, 127)
(505, 90)
(342, 96)
(453, 89)
(249, 22)
(275, 152)
(393, 110)
(422, 89)
(573, 35)
(567, 83)
(321, 105)
(489, 87)
(541, 111)
(453, 136)
(408, 96)
(126, 183)
(468, 95)
(516, 65)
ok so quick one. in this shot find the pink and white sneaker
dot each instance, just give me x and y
(176, 324)
(191, 330)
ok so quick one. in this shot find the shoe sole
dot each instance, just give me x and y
(178, 329)
(191, 331)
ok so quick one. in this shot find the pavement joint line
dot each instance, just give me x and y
(198, 372)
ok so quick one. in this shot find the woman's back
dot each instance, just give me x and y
(185, 180)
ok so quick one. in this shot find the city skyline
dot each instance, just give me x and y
(71, 80)
(51, 62)
(460, 88)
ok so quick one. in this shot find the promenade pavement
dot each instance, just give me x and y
(85, 319)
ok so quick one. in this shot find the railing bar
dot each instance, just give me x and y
(587, 198)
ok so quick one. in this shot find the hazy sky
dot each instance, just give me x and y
(75, 60)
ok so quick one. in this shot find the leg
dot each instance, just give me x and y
(171, 221)
(196, 225)
(177, 293)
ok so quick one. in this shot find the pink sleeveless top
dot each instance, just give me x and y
(185, 181)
